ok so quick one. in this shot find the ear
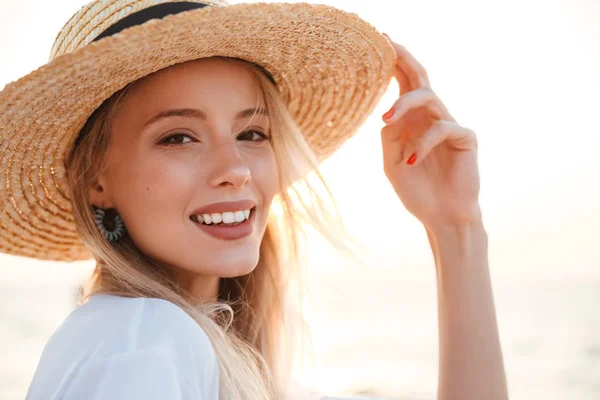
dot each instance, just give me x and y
(99, 195)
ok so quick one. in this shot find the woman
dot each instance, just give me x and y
(171, 142)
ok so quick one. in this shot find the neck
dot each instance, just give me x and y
(203, 288)
(198, 288)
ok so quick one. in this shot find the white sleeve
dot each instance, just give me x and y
(145, 374)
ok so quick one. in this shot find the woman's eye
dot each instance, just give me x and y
(253, 136)
(178, 138)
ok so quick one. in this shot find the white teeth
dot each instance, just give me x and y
(228, 217)
(216, 218)
(239, 216)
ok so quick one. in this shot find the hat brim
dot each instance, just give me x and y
(330, 66)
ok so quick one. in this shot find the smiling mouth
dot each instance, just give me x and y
(241, 225)
(231, 218)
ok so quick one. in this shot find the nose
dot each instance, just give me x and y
(229, 168)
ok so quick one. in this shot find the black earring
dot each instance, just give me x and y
(110, 223)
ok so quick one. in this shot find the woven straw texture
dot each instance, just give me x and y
(331, 68)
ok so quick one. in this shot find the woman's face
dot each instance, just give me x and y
(185, 153)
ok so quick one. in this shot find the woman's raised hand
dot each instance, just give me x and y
(430, 160)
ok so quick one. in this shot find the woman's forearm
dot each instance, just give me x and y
(470, 364)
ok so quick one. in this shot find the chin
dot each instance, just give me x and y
(234, 263)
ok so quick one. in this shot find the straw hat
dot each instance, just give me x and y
(330, 66)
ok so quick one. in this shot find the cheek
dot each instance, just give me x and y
(152, 194)
(265, 175)
(151, 188)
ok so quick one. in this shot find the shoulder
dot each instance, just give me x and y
(111, 337)
(110, 324)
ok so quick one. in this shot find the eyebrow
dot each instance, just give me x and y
(195, 113)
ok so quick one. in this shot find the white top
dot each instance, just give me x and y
(127, 348)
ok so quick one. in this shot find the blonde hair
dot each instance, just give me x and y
(255, 325)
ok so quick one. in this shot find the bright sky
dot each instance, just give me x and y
(521, 73)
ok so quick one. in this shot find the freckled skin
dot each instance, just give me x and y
(155, 187)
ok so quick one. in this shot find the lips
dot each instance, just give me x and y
(225, 206)
(227, 232)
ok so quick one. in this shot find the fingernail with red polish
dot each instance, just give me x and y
(412, 159)
(388, 114)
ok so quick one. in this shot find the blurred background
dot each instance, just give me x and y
(523, 74)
